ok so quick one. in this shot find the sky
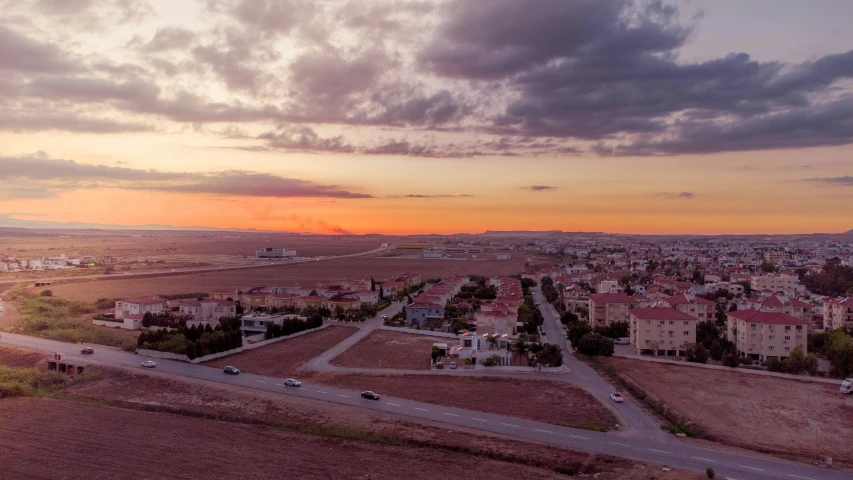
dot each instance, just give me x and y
(413, 117)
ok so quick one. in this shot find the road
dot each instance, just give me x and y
(661, 450)
(186, 271)
(634, 419)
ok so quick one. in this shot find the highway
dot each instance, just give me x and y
(660, 449)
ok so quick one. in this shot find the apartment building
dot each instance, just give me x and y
(661, 330)
(275, 253)
(141, 306)
(418, 313)
(606, 308)
(697, 307)
(838, 313)
(784, 283)
(761, 335)
(783, 304)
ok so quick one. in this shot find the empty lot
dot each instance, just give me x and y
(752, 411)
(282, 358)
(541, 400)
(358, 268)
(389, 349)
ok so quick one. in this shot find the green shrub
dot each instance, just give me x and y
(709, 472)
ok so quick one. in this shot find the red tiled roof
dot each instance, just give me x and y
(682, 299)
(145, 300)
(757, 316)
(611, 298)
(660, 313)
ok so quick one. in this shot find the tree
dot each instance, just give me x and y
(696, 353)
(493, 341)
(435, 353)
(775, 365)
(716, 351)
(372, 284)
(730, 359)
(767, 267)
(550, 355)
(381, 292)
(576, 331)
(594, 344)
(147, 319)
(709, 472)
(796, 361)
(492, 361)
(46, 293)
(568, 318)
(520, 345)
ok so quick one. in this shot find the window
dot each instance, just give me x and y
(686, 333)
(670, 342)
(671, 332)
(686, 323)
(771, 337)
(648, 331)
(787, 349)
(661, 322)
(787, 337)
(648, 342)
(772, 347)
(752, 325)
(672, 322)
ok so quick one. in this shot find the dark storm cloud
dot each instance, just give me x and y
(677, 195)
(39, 175)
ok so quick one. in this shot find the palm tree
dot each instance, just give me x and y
(493, 341)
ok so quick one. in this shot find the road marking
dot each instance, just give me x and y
(345, 396)
(751, 468)
(543, 431)
(392, 404)
(797, 476)
(582, 438)
(620, 444)
(479, 419)
(279, 384)
(509, 425)
(261, 381)
(452, 414)
(660, 451)
(704, 459)
(319, 391)
(421, 409)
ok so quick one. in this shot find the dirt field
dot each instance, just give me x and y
(282, 358)
(21, 358)
(304, 273)
(540, 400)
(388, 349)
(806, 419)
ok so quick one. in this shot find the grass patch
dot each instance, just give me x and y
(64, 320)
(31, 382)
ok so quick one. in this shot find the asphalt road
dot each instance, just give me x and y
(664, 450)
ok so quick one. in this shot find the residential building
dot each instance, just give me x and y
(418, 313)
(367, 296)
(838, 313)
(432, 253)
(783, 304)
(256, 323)
(606, 308)
(204, 312)
(141, 306)
(763, 335)
(697, 307)
(784, 283)
(661, 330)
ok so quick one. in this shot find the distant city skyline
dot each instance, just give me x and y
(404, 117)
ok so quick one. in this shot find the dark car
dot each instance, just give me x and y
(370, 395)
(231, 370)
(87, 351)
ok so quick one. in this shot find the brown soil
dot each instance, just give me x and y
(389, 349)
(305, 273)
(539, 400)
(282, 358)
(806, 419)
(21, 357)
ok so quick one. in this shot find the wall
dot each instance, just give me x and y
(421, 332)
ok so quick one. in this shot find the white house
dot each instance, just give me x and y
(418, 312)
(206, 311)
(140, 306)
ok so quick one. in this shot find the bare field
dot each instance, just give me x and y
(540, 400)
(806, 419)
(388, 349)
(305, 273)
(282, 358)
(21, 357)
(51, 439)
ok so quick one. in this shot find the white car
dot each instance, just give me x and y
(292, 382)
(453, 365)
(149, 364)
(617, 397)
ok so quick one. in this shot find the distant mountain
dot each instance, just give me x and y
(532, 233)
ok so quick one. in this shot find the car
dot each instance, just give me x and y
(453, 365)
(616, 397)
(370, 395)
(149, 364)
(231, 370)
(292, 382)
(439, 366)
(87, 351)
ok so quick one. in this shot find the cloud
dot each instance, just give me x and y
(169, 38)
(417, 195)
(25, 54)
(41, 176)
(845, 180)
(539, 188)
(677, 195)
